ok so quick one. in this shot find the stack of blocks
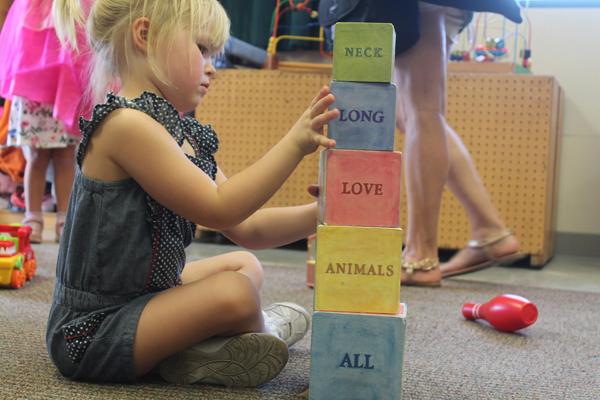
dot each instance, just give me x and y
(359, 324)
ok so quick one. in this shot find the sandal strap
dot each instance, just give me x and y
(35, 217)
(481, 244)
(485, 244)
(426, 264)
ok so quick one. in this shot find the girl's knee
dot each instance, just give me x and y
(245, 258)
(250, 264)
(239, 298)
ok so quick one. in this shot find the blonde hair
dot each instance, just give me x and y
(109, 34)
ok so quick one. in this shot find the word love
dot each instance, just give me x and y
(367, 52)
(361, 116)
(356, 362)
(357, 188)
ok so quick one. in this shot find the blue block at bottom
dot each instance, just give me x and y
(357, 356)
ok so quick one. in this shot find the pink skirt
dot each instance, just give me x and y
(36, 67)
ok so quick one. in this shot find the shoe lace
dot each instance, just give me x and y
(279, 324)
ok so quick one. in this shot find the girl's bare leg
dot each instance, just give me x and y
(219, 297)
(35, 177)
(63, 160)
(243, 262)
(35, 183)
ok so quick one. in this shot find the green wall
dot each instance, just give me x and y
(251, 22)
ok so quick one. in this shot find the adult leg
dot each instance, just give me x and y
(421, 80)
(35, 183)
(486, 224)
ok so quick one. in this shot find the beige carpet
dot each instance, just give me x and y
(446, 356)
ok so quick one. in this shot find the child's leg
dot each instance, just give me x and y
(35, 177)
(223, 304)
(288, 321)
(63, 160)
(243, 262)
(220, 297)
(35, 183)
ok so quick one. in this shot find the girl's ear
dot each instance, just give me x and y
(139, 33)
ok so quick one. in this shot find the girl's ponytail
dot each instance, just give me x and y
(67, 15)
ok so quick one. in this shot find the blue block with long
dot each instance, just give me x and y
(357, 356)
(367, 116)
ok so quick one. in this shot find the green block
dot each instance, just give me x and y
(363, 52)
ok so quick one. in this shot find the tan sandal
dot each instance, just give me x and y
(424, 265)
(35, 220)
(485, 246)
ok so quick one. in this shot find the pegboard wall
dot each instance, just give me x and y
(508, 122)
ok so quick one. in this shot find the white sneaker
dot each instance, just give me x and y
(289, 321)
(247, 360)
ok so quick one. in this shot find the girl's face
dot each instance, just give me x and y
(189, 69)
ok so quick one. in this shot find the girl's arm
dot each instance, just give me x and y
(4, 7)
(273, 227)
(142, 149)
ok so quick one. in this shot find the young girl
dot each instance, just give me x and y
(125, 302)
(44, 84)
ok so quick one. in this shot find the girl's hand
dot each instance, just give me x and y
(307, 133)
(313, 190)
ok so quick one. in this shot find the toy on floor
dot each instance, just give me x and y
(507, 312)
(17, 259)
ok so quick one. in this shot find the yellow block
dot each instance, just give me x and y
(358, 269)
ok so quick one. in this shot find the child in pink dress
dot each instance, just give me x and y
(43, 81)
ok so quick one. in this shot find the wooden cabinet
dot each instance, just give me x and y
(509, 122)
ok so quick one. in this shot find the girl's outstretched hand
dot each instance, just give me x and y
(307, 133)
(313, 190)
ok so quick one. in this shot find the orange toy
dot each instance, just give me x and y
(17, 259)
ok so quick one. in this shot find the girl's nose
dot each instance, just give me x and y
(209, 68)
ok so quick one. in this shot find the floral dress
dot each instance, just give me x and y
(31, 124)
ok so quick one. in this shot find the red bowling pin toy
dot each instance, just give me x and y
(507, 312)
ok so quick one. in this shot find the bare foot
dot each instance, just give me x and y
(471, 259)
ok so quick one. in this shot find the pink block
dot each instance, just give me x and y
(311, 249)
(360, 188)
(310, 274)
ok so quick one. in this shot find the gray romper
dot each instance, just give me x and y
(119, 248)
